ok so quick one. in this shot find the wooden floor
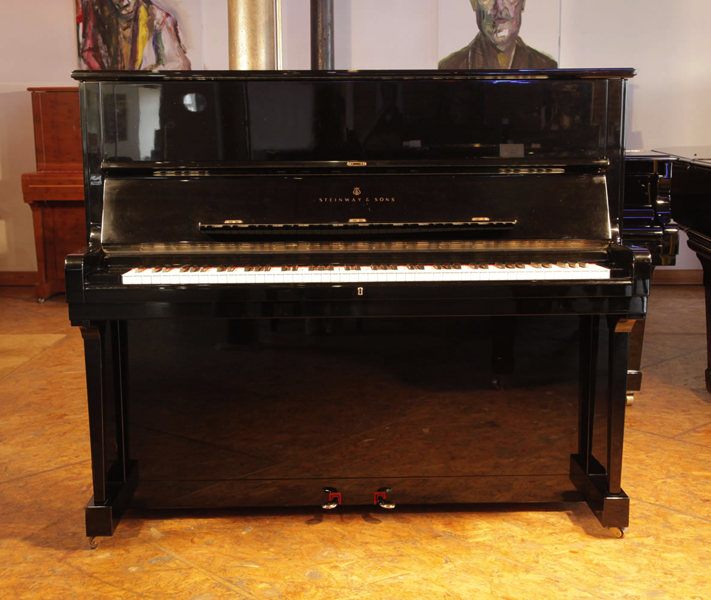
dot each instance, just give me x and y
(545, 551)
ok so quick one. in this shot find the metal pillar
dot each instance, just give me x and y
(322, 35)
(254, 34)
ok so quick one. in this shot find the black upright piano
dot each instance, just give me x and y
(355, 288)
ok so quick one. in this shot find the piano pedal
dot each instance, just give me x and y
(334, 498)
(380, 498)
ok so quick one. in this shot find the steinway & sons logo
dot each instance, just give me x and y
(356, 198)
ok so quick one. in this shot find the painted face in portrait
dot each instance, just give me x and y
(125, 7)
(499, 20)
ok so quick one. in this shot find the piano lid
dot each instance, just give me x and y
(160, 76)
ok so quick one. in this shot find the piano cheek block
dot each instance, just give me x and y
(409, 312)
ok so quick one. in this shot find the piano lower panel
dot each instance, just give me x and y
(415, 491)
(225, 413)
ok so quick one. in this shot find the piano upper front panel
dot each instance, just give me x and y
(363, 119)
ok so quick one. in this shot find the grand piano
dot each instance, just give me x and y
(355, 288)
(647, 222)
(691, 208)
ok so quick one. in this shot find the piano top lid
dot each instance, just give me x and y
(509, 74)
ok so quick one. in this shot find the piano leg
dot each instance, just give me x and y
(706, 264)
(700, 244)
(600, 485)
(634, 373)
(113, 476)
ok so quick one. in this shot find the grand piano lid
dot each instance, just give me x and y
(700, 155)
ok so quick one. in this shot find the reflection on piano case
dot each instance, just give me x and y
(355, 288)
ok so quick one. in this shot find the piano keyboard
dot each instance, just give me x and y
(196, 275)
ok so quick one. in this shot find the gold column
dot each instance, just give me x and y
(255, 34)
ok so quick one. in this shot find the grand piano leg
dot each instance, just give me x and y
(706, 264)
(702, 246)
(601, 485)
(113, 476)
(634, 365)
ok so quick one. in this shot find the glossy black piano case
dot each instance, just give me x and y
(330, 393)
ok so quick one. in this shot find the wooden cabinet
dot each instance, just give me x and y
(55, 192)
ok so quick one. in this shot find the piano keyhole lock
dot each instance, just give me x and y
(360, 291)
(335, 499)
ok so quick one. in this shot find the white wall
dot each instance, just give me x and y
(669, 47)
(37, 48)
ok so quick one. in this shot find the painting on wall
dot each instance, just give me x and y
(139, 34)
(488, 34)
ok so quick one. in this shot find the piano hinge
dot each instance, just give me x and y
(530, 170)
(181, 173)
(356, 163)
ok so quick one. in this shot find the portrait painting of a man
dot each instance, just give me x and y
(498, 44)
(129, 35)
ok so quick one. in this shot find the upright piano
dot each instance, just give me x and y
(55, 192)
(355, 288)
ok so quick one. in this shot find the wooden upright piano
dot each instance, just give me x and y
(55, 192)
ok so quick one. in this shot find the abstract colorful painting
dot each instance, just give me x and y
(139, 34)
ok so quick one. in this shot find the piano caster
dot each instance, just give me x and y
(381, 498)
(93, 543)
(41, 300)
(630, 398)
(619, 531)
(334, 498)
